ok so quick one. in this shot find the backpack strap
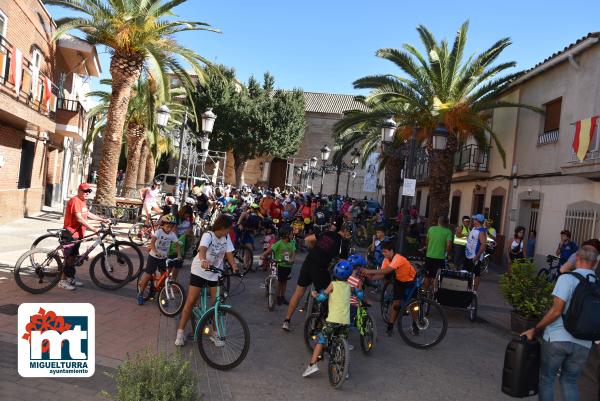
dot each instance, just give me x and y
(577, 275)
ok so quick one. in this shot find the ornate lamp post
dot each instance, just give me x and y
(325, 152)
(355, 160)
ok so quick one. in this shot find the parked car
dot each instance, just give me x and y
(169, 180)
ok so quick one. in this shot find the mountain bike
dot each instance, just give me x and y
(222, 334)
(171, 295)
(271, 284)
(51, 240)
(39, 270)
(366, 328)
(314, 323)
(339, 355)
(551, 272)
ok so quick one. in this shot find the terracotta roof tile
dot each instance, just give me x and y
(330, 103)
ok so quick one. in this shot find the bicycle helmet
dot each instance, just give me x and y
(342, 270)
(169, 219)
(254, 206)
(169, 200)
(190, 200)
(357, 260)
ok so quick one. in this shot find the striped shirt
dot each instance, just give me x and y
(354, 282)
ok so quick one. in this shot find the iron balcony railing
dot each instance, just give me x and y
(548, 137)
(472, 158)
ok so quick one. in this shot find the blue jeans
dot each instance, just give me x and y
(570, 358)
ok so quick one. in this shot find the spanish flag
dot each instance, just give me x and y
(584, 133)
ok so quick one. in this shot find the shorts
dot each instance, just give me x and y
(197, 281)
(175, 263)
(284, 273)
(432, 266)
(155, 263)
(473, 266)
(311, 273)
(403, 290)
(329, 328)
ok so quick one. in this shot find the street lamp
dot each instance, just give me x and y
(355, 157)
(305, 167)
(313, 162)
(208, 120)
(440, 137)
(325, 152)
(162, 116)
(388, 130)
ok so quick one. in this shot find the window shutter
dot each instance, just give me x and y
(552, 121)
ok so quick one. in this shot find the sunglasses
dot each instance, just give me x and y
(87, 191)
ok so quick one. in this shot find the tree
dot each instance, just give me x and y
(437, 88)
(253, 120)
(139, 34)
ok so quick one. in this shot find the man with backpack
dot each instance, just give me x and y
(570, 327)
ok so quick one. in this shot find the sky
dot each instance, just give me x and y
(323, 46)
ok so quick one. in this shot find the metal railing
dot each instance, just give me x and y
(548, 137)
(125, 214)
(32, 83)
(472, 158)
(581, 223)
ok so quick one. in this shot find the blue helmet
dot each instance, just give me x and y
(342, 270)
(357, 260)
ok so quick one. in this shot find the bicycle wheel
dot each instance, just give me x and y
(226, 281)
(339, 362)
(133, 251)
(368, 339)
(427, 329)
(310, 304)
(245, 258)
(111, 271)
(312, 327)
(38, 270)
(545, 274)
(171, 299)
(387, 298)
(472, 309)
(46, 241)
(223, 342)
(271, 297)
(140, 233)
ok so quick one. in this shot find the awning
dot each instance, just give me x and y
(80, 56)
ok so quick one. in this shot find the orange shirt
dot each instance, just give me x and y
(404, 271)
(75, 205)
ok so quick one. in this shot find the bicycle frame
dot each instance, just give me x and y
(203, 310)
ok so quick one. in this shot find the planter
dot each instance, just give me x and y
(519, 323)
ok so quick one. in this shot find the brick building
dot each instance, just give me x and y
(42, 109)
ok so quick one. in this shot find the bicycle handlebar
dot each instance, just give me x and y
(223, 272)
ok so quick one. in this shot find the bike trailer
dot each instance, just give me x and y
(520, 375)
(455, 288)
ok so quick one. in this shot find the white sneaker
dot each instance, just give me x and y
(180, 339)
(74, 282)
(311, 369)
(217, 342)
(64, 284)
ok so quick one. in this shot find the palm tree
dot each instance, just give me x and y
(138, 33)
(438, 88)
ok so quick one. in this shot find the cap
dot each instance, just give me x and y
(479, 217)
(84, 185)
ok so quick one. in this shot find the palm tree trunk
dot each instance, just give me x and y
(150, 167)
(441, 168)
(240, 166)
(135, 139)
(141, 174)
(393, 167)
(125, 70)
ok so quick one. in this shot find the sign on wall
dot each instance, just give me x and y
(409, 187)
(371, 173)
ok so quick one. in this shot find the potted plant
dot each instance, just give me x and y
(150, 376)
(529, 295)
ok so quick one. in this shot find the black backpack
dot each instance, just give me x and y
(582, 319)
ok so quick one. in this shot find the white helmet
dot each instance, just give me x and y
(190, 200)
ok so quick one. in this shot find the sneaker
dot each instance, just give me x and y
(284, 301)
(286, 325)
(180, 339)
(311, 369)
(350, 347)
(74, 282)
(279, 301)
(390, 329)
(216, 341)
(140, 298)
(64, 284)
(414, 329)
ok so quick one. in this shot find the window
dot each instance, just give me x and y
(427, 207)
(170, 180)
(455, 209)
(478, 200)
(552, 117)
(26, 165)
(3, 24)
(36, 63)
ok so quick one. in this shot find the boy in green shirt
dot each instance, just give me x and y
(283, 252)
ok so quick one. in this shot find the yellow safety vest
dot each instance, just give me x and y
(462, 241)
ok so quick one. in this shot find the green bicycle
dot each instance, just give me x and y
(221, 333)
(366, 328)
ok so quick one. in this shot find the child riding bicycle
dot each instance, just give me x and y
(284, 251)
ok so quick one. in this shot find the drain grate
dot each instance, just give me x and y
(9, 309)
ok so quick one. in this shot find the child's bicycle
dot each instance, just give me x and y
(141, 233)
(171, 296)
(316, 313)
(366, 328)
(221, 333)
(271, 283)
(551, 272)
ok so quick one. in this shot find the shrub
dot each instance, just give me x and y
(529, 295)
(150, 377)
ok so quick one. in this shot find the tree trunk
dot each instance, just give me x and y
(393, 167)
(441, 168)
(150, 167)
(125, 69)
(135, 139)
(141, 175)
(240, 166)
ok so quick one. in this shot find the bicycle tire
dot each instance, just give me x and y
(310, 304)
(339, 362)
(472, 309)
(115, 245)
(544, 273)
(242, 257)
(207, 321)
(55, 277)
(41, 238)
(161, 299)
(432, 305)
(312, 327)
(386, 302)
(271, 298)
(101, 260)
(367, 341)
(139, 233)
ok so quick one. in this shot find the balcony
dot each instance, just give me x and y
(548, 137)
(470, 161)
(588, 167)
(70, 118)
(30, 111)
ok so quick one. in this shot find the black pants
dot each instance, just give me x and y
(71, 255)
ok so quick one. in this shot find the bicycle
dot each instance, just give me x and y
(551, 272)
(214, 325)
(141, 233)
(171, 295)
(314, 323)
(51, 240)
(366, 328)
(339, 356)
(271, 284)
(47, 266)
(417, 317)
